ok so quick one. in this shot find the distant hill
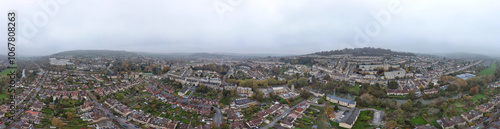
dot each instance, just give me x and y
(208, 55)
(95, 53)
(465, 55)
(367, 51)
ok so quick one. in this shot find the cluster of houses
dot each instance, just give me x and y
(184, 76)
(113, 89)
(94, 115)
(297, 113)
(194, 108)
(341, 101)
(350, 117)
(495, 85)
(205, 101)
(141, 117)
(54, 94)
(404, 87)
(233, 115)
(28, 118)
(449, 123)
(22, 96)
(241, 103)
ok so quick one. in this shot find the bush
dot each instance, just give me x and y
(321, 101)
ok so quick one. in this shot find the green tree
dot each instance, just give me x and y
(408, 106)
(412, 95)
(57, 123)
(321, 101)
(301, 82)
(120, 96)
(305, 94)
(393, 85)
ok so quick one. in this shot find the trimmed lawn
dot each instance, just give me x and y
(490, 70)
(354, 89)
(435, 124)
(361, 124)
(3, 95)
(418, 121)
(477, 97)
(5, 72)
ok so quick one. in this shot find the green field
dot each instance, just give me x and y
(361, 124)
(5, 72)
(354, 89)
(435, 124)
(477, 97)
(490, 70)
(418, 121)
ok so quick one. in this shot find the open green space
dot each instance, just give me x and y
(418, 121)
(490, 70)
(477, 97)
(6, 71)
(360, 124)
(3, 95)
(354, 89)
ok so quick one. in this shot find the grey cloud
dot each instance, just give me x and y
(259, 26)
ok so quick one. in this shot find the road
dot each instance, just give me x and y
(111, 115)
(28, 100)
(271, 124)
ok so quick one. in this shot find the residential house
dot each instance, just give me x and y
(472, 115)
(350, 119)
(341, 101)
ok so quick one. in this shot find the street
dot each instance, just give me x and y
(111, 115)
(284, 114)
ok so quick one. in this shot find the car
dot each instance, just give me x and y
(1, 122)
(137, 126)
(125, 126)
(126, 122)
(479, 122)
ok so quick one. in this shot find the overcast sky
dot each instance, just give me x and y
(254, 26)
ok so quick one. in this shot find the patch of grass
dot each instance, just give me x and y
(490, 70)
(435, 124)
(477, 97)
(6, 71)
(298, 100)
(418, 121)
(354, 89)
(361, 124)
(3, 95)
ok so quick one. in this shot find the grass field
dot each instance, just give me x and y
(361, 124)
(5, 72)
(3, 95)
(435, 124)
(477, 97)
(418, 121)
(490, 70)
(354, 89)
